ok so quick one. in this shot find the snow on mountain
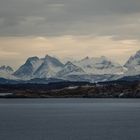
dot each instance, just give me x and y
(87, 69)
(70, 69)
(48, 68)
(133, 65)
(6, 71)
(99, 66)
(26, 71)
(91, 78)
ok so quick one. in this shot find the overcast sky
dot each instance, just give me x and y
(68, 28)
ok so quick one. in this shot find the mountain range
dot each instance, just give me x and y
(87, 69)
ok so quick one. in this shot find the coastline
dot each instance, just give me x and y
(114, 89)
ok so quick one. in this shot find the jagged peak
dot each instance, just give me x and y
(48, 56)
(34, 58)
(69, 63)
(137, 55)
(133, 60)
(7, 68)
(53, 60)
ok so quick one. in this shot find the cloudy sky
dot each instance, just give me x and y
(68, 28)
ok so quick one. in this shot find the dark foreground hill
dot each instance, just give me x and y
(116, 89)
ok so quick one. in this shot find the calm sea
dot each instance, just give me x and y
(69, 119)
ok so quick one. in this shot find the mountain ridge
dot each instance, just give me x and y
(93, 69)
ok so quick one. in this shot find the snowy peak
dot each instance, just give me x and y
(101, 65)
(49, 67)
(35, 67)
(35, 62)
(52, 60)
(7, 69)
(69, 69)
(133, 60)
(30, 59)
(69, 64)
(48, 57)
(27, 70)
(133, 64)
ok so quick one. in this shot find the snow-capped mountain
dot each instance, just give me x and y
(51, 67)
(36, 67)
(99, 66)
(6, 71)
(48, 68)
(26, 71)
(87, 69)
(70, 69)
(133, 65)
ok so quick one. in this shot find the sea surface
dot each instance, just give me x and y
(69, 119)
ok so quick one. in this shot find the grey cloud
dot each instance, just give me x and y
(70, 17)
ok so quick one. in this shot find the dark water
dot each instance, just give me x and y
(70, 119)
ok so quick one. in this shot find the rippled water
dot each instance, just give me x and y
(70, 119)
